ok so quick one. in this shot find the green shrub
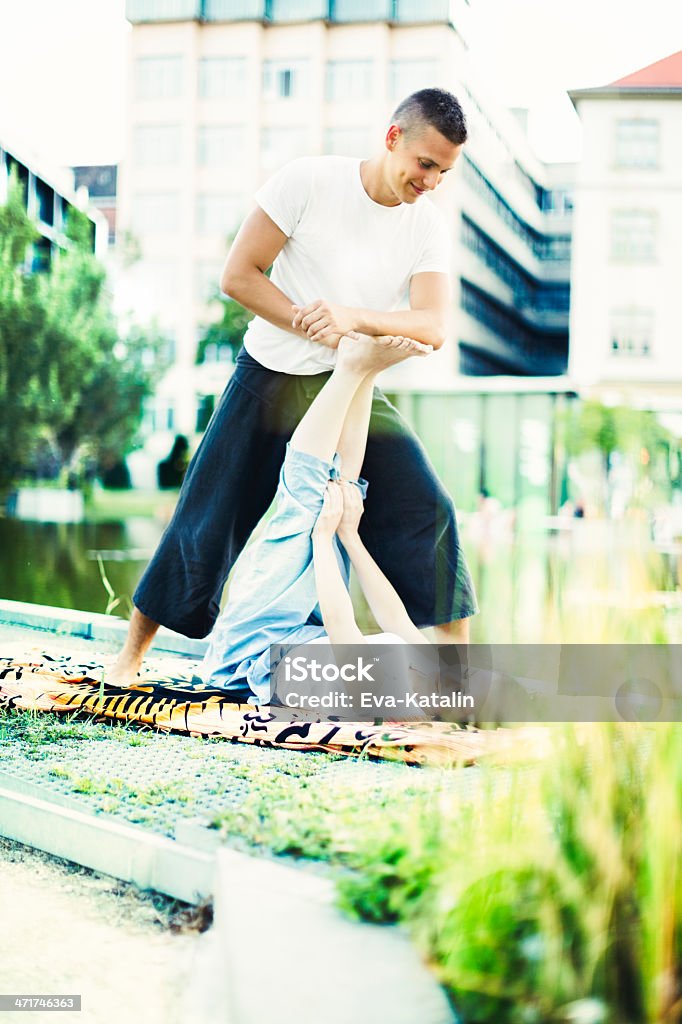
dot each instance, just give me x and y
(553, 895)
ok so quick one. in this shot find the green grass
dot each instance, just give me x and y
(113, 506)
(295, 808)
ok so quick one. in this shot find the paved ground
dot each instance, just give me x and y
(68, 930)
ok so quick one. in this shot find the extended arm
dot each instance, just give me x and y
(426, 320)
(252, 253)
(334, 600)
(386, 605)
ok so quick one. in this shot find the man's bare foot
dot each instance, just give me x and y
(360, 352)
(124, 672)
(126, 668)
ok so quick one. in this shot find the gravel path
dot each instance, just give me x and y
(67, 930)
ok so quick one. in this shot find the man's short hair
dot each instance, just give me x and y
(435, 107)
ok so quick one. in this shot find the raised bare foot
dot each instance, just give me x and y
(362, 352)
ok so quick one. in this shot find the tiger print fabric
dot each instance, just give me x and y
(167, 701)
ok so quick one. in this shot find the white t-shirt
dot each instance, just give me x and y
(342, 247)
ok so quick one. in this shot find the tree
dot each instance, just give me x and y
(229, 330)
(66, 377)
(23, 371)
(634, 433)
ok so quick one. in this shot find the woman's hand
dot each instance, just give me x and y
(330, 513)
(353, 507)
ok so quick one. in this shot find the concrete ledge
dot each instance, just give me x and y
(92, 626)
(291, 957)
(100, 843)
(279, 952)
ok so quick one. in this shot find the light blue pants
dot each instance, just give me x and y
(273, 598)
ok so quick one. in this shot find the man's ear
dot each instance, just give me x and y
(392, 135)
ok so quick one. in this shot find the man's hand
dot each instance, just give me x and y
(353, 507)
(330, 513)
(323, 321)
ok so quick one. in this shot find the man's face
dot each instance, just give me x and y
(416, 163)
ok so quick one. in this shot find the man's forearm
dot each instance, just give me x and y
(256, 292)
(420, 324)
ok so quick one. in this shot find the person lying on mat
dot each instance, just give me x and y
(292, 585)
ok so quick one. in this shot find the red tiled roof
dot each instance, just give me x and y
(663, 73)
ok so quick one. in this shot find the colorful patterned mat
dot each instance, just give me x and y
(167, 700)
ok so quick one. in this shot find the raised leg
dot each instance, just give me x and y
(325, 428)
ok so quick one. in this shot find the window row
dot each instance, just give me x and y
(159, 213)
(217, 145)
(226, 78)
(537, 346)
(528, 291)
(544, 247)
(160, 144)
(289, 10)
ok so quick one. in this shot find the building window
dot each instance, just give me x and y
(363, 10)
(633, 236)
(234, 10)
(280, 144)
(217, 214)
(156, 144)
(41, 259)
(298, 10)
(422, 10)
(222, 78)
(45, 201)
(158, 414)
(158, 78)
(162, 10)
(348, 80)
(207, 280)
(408, 76)
(218, 352)
(205, 407)
(283, 79)
(217, 144)
(637, 143)
(631, 333)
(557, 202)
(156, 214)
(347, 141)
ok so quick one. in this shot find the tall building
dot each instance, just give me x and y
(223, 92)
(100, 181)
(627, 302)
(48, 194)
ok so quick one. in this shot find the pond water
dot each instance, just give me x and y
(588, 582)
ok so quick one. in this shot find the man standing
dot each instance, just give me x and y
(355, 234)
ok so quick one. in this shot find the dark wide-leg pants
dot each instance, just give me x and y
(409, 524)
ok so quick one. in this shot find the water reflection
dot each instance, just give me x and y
(589, 582)
(56, 563)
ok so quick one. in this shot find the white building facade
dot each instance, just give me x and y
(626, 310)
(223, 92)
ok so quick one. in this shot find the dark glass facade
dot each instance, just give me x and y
(513, 345)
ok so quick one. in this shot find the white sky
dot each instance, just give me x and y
(62, 65)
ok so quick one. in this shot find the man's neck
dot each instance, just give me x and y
(373, 179)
